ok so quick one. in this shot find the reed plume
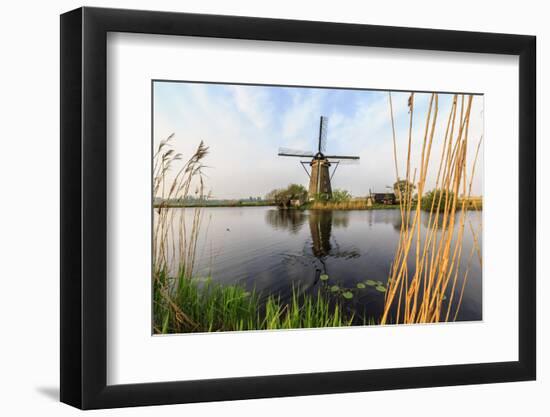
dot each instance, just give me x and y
(174, 236)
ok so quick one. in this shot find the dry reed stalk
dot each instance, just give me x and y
(475, 246)
(436, 256)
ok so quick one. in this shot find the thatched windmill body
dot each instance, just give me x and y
(319, 173)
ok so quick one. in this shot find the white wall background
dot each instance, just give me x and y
(29, 219)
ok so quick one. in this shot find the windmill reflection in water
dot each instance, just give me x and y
(322, 244)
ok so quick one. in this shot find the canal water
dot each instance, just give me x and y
(272, 251)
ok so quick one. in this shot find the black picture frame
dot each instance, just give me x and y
(84, 207)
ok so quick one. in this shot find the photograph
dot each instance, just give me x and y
(244, 208)
(290, 207)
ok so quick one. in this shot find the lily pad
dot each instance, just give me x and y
(361, 285)
(335, 288)
(323, 277)
(380, 282)
(381, 288)
(348, 295)
(370, 282)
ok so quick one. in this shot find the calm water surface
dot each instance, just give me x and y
(272, 250)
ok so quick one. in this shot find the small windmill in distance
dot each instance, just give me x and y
(319, 175)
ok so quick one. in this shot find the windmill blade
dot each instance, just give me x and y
(345, 161)
(342, 157)
(323, 127)
(294, 152)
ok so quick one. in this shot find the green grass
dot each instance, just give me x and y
(193, 305)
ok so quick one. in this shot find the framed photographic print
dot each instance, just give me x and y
(240, 196)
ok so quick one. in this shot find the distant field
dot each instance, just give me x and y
(472, 202)
(354, 204)
(228, 203)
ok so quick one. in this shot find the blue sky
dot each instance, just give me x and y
(244, 126)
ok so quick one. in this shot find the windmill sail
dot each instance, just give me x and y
(323, 127)
(344, 161)
(341, 157)
(320, 164)
(294, 152)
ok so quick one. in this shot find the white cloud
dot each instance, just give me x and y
(254, 104)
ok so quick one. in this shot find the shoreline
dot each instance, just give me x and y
(374, 207)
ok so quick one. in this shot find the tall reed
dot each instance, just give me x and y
(175, 235)
(174, 239)
(418, 294)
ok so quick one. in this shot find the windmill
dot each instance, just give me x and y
(319, 174)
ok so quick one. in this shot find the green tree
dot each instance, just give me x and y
(341, 196)
(272, 195)
(440, 197)
(283, 197)
(403, 189)
(296, 192)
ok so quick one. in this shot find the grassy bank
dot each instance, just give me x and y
(348, 205)
(177, 204)
(469, 204)
(192, 305)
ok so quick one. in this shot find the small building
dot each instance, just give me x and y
(383, 198)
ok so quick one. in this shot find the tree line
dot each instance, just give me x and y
(402, 189)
